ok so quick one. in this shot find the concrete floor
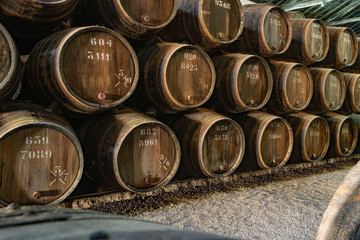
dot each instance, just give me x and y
(280, 210)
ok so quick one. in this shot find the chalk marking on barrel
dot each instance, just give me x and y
(163, 162)
(58, 174)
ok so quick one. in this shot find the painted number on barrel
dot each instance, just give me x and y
(275, 136)
(223, 4)
(298, 79)
(36, 154)
(275, 19)
(253, 73)
(124, 79)
(192, 66)
(148, 132)
(58, 175)
(100, 42)
(222, 136)
(316, 29)
(315, 132)
(36, 140)
(164, 163)
(99, 55)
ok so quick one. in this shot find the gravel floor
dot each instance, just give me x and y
(280, 210)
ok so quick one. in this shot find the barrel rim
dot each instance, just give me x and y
(72, 97)
(213, 119)
(14, 58)
(263, 125)
(283, 84)
(209, 36)
(120, 8)
(120, 139)
(306, 124)
(234, 80)
(163, 71)
(306, 38)
(68, 133)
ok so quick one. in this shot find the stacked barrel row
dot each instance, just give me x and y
(132, 90)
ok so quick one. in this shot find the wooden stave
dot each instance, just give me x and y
(335, 122)
(229, 99)
(318, 103)
(97, 12)
(279, 102)
(11, 83)
(199, 122)
(332, 58)
(250, 41)
(300, 122)
(57, 89)
(104, 168)
(151, 93)
(193, 29)
(298, 50)
(14, 118)
(254, 124)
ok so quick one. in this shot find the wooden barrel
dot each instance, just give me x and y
(130, 151)
(311, 137)
(310, 42)
(269, 140)
(137, 19)
(173, 77)
(329, 90)
(207, 23)
(356, 65)
(41, 158)
(212, 144)
(343, 49)
(356, 118)
(86, 70)
(352, 98)
(293, 87)
(267, 31)
(295, 14)
(243, 83)
(9, 66)
(343, 135)
(28, 21)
